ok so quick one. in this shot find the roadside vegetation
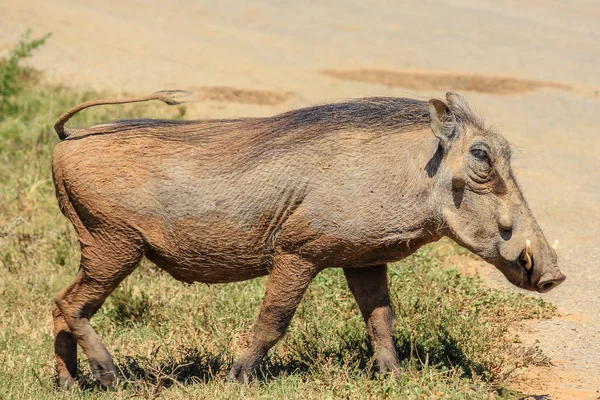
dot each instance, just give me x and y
(177, 341)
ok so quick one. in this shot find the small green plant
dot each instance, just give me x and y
(11, 72)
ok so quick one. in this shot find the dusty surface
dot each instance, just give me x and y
(420, 80)
(227, 94)
(263, 57)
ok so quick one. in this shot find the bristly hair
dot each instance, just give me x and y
(380, 115)
(256, 138)
(372, 113)
(463, 112)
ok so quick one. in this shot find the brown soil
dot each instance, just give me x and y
(224, 94)
(443, 81)
(553, 382)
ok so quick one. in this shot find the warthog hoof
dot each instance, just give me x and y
(105, 374)
(66, 381)
(389, 366)
(240, 373)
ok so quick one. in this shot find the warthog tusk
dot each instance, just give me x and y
(555, 245)
(528, 254)
(528, 262)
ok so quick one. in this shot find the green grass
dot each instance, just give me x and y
(172, 340)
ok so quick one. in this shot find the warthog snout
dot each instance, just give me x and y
(549, 275)
(549, 282)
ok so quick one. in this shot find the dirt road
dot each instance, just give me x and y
(530, 67)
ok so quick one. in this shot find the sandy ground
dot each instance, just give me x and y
(530, 67)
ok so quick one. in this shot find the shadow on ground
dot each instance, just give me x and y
(301, 358)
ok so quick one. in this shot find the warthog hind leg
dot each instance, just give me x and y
(102, 269)
(370, 289)
(65, 348)
(288, 282)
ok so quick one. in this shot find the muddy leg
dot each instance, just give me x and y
(65, 348)
(76, 304)
(370, 289)
(288, 282)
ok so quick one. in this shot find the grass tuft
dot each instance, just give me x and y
(128, 308)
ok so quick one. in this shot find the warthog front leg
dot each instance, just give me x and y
(288, 282)
(370, 289)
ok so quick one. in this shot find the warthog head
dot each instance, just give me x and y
(486, 211)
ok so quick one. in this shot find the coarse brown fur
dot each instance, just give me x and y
(353, 185)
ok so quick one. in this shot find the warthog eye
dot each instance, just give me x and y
(479, 154)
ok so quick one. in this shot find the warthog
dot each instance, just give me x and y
(353, 185)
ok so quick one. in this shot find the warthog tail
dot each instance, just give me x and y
(166, 96)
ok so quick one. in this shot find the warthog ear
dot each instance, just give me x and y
(443, 122)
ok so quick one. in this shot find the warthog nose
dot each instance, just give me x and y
(547, 284)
